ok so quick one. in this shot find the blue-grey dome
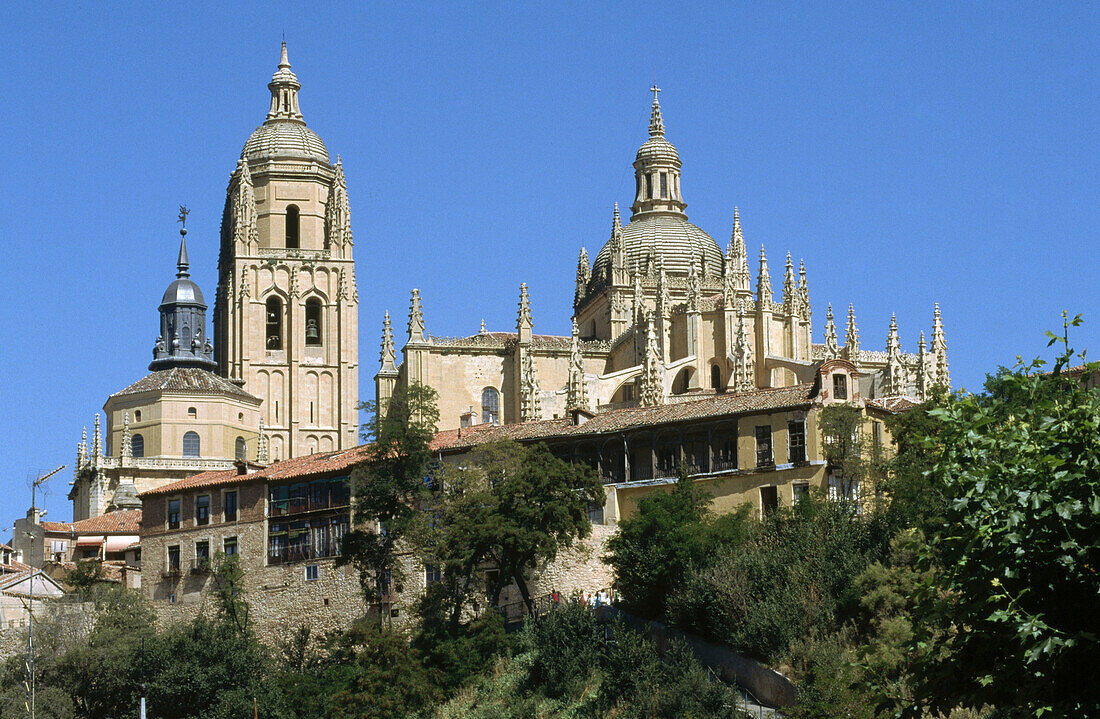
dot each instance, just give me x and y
(183, 291)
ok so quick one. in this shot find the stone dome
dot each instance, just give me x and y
(657, 150)
(283, 139)
(670, 238)
(183, 291)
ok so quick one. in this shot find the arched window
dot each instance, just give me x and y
(137, 446)
(328, 234)
(313, 321)
(192, 412)
(239, 449)
(137, 415)
(715, 378)
(293, 227)
(274, 323)
(191, 445)
(490, 406)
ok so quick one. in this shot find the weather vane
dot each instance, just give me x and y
(184, 212)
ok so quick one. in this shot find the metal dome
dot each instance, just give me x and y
(284, 139)
(670, 238)
(183, 291)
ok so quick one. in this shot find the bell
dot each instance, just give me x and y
(312, 333)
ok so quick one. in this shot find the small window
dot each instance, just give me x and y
(796, 441)
(664, 185)
(173, 514)
(769, 500)
(764, 446)
(716, 377)
(230, 504)
(313, 572)
(229, 546)
(649, 187)
(172, 598)
(432, 574)
(192, 413)
(801, 491)
(840, 386)
(490, 406)
(313, 321)
(202, 509)
(240, 449)
(876, 438)
(274, 324)
(292, 227)
(137, 415)
(202, 551)
(240, 416)
(137, 446)
(174, 558)
(191, 445)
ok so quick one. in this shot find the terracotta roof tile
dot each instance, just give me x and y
(630, 418)
(306, 465)
(894, 405)
(123, 521)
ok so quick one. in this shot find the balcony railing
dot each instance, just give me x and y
(301, 505)
(282, 554)
(723, 465)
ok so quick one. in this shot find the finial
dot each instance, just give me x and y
(482, 330)
(181, 262)
(616, 221)
(523, 321)
(656, 123)
(764, 280)
(284, 62)
(416, 318)
(388, 356)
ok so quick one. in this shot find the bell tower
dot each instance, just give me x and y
(286, 311)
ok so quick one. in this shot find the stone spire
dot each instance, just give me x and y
(284, 88)
(82, 450)
(939, 349)
(338, 210)
(736, 271)
(638, 300)
(922, 369)
(261, 446)
(851, 337)
(790, 290)
(97, 443)
(388, 357)
(664, 299)
(651, 383)
(126, 451)
(832, 350)
(523, 316)
(618, 250)
(695, 286)
(244, 208)
(416, 318)
(763, 282)
(803, 291)
(576, 391)
(656, 123)
(530, 408)
(742, 380)
(584, 276)
(895, 371)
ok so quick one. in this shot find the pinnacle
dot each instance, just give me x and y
(656, 123)
(284, 63)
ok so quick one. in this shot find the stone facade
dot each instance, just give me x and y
(661, 313)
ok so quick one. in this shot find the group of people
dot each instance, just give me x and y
(592, 600)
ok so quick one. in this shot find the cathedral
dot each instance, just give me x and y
(278, 378)
(662, 315)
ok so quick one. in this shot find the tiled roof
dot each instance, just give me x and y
(304, 466)
(15, 566)
(630, 418)
(124, 521)
(57, 526)
(503, 340)
(186, 379)
(893, 405)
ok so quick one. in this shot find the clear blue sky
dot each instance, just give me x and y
(910, 152)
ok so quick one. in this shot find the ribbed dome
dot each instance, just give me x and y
(284, 139)
(183, 291)
(657, 149)
(670, 238)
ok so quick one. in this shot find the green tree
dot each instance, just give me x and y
(513, 506)
(85, 577)
(1018, 555)
(392, 485)
(669, 534)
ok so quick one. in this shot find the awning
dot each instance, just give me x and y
(120, 543)
(89, 541)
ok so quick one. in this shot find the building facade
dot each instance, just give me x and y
(662, 313)
(286, 312)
